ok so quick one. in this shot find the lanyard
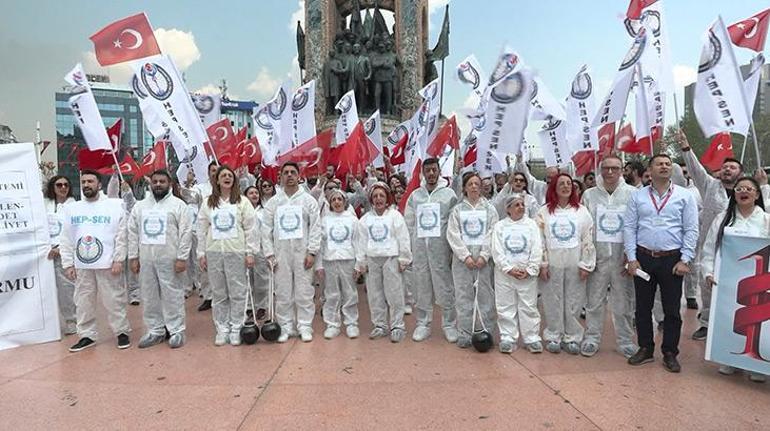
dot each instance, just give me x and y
(665, 199)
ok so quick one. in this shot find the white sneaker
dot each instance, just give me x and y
(220, 339)
(397, 335)
(284, 337)
(407, 309)
(377, 332)
(331, 332)
(352, 331)
(306, 336)
(726, 370)
(421, 333)
(235, 338)
(450, 333)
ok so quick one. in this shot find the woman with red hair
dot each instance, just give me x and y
(568, 257)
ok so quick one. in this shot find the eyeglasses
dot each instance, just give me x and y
(61, 185)
(611, 168)
(745, 189)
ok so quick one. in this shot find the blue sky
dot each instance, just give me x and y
(252, 45)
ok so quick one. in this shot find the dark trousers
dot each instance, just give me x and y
(661, 274)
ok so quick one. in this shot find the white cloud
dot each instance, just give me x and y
(436, 5)
(119, 74)
(684, 75)
(265, 84)
(297, 15)
(180, 45)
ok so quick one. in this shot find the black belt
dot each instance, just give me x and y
(653, 253)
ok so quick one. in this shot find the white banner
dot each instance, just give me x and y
(348, 117)
(739, 325)
(751, 83)
(507, 114)
(209, 107)
(86, 111)
(553, 142)
(580, 111)
(659, 65)
(719, 99)
(166, 97)
(373, 130)
(302, 115)
(29, 311)
(544, 104)
(469, 72)
(268, 126)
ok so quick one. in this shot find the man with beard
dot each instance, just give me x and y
(427, 213)
(93, 250)
(716, 195)
(633, 172)
(159, 240)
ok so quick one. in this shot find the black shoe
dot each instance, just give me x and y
(692, 304)
(642, 356)
(82, 344)
(123, 341)
(205, 305)
(700, 334)
(261, 313)
(660, 326)
(583, 314)
(670, 363)
(134, 302)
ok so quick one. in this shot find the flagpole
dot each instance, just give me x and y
(441, 94)
(115, 158)
(743, 95)
(645, 112)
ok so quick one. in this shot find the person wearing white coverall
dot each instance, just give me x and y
(388, 252)
(259, 274)
(291, 239)
(227, 245)
(517, 183)
(569, 257)
(745, 216)
(426, 214)
(517, 249)
(93, 252)
(536, 187)
(159, 240)
(715, 193)
(57, 194)
(340, 257)
(469, 235)
(607, 204)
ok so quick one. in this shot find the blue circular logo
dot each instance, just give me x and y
(609, 226)
(289, 222)
(378, 232)
(473, 227)
(428, 220)
(157, 81)
(339, 234)
(563, 231)
(223, 222)
(89, 249)
(153, 227)
(515, 245)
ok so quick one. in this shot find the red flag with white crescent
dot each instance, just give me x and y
(751, 32)
(223, 141)
(154, 159)
(115, 133)
(125, 40)
(721, 148)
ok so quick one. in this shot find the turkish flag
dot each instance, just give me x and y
(752, 32)
(311, 156)
(115, 132)
(356, 153)
(127, 166)
(154, 159)
(414, 184)
(586, 161)
(223, 141)
(125, 40)
(449, 134)
(96, 160)
(249, 153)
(236, 160)
(627, 142)
(721, 148)
(398, 154)
(635, 8)
(470, 155)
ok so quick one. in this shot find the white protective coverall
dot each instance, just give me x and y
(386, 241)
(530, 203)
(291, 231)
(226, 235)
(426, 215)
(259, 275)
(341, 253)
(159, 234)
(568, 244)
(607, 211)
(93, 238)
(65, 289)
(198, 195)
(517, 244)
(469, 232)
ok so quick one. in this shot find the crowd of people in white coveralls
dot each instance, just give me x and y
(485, 251)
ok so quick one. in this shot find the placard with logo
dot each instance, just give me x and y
(609, 223)
(473, 226)
(429, 220)
(288, 222)
(563, 231)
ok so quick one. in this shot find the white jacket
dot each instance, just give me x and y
(757, 224)
(576, 223)
(176, 227)
(525, 252)
(442, 195)
(55, 221)
(596, 196)
(455, 231)
(103, 206)
(246, 239)
(311, 229)
(341, 238)
(385, 235)
(530, 203)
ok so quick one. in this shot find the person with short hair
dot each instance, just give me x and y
(159, 242)
(93, 252)
(660, 236)
(291, 239)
